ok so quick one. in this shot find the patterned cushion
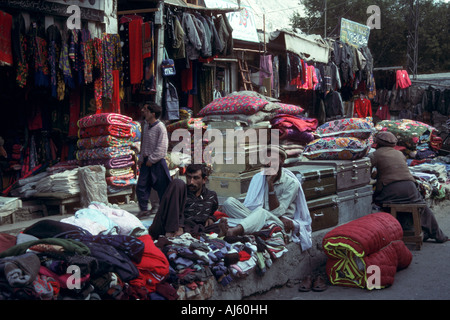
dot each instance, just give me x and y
(336, 148)
(233, 104)
(410, 133)
(348, 127)
(289, 109)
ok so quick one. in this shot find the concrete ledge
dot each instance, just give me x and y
(293, 265)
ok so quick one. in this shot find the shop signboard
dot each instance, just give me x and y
(354, 33)
(242, 21)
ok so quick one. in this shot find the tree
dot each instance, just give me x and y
(388, 44)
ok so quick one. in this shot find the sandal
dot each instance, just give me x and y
(319, 284)
(305, 284)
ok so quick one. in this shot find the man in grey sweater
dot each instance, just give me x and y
(154, 172)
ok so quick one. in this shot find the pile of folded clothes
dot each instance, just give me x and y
(105, 252)
(101, 252)
(106, 139)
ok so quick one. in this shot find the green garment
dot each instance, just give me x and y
(69, 245)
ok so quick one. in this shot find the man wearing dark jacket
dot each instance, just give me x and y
(186, 207)
(396, 184)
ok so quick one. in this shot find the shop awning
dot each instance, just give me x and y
(308, 47)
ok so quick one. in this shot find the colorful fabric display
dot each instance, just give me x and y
(103, 153)
(102, 142)
(295, 128)
(113, 163)
(240, 104)
(336, 148)
(410, 133)
(348, 127)
(116, 130)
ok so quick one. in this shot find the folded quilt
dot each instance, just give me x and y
(113, 163)
(103, 119)
(116, 130)
(119, 172)
(136, 131)
(122, 181)
(102, 142)
(373, 240)
(103, 153)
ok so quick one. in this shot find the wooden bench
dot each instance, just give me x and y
(63, 199)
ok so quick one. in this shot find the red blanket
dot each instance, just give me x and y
(153, 268)
(373, 242)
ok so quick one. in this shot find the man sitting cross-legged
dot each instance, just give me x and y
(186, 207)
(275, 195)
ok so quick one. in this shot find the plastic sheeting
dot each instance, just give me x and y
(93, 187)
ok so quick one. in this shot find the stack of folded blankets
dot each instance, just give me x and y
(106, 139)
(195, 143)
(65, 182)
(295, 132)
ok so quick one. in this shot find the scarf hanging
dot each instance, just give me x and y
(6, 56)
(87, 51)
(136, 52)
(116, 92)
(108, 53)
(98, 82)
(64, 66)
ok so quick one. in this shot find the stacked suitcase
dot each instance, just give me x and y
(232, 177)
(336, 191)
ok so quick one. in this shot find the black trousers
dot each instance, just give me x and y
(171, 209)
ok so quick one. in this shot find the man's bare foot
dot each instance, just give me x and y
(175, 234)
(223, 227)
(236, 231)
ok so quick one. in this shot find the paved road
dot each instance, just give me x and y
(426, 278)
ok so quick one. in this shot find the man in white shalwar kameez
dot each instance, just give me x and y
(275, 195)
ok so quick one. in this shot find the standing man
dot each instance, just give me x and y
(154, 172)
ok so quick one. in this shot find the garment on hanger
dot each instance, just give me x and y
(363, 108)
(266, 69)
(402, 79)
